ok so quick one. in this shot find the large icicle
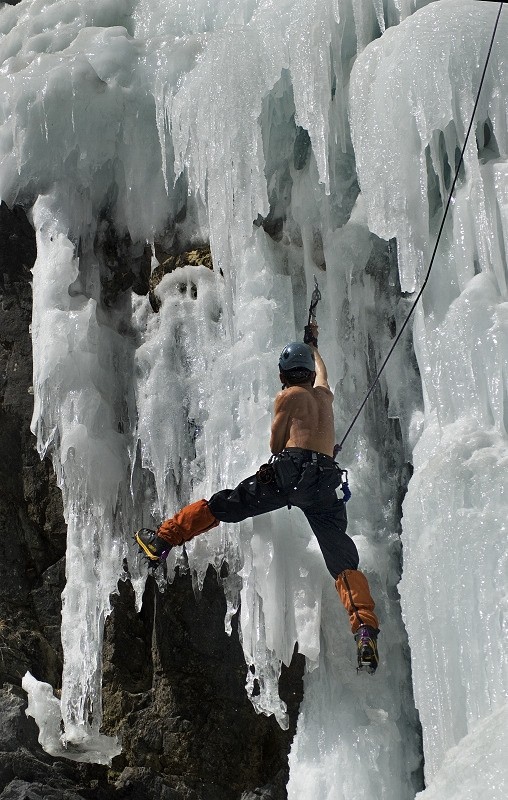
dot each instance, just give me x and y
(74, 397)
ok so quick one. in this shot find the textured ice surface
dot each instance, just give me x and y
(412, 96)
(76, 391)
(417, 117)
(477, 766)
(187, 123)
(45, 708)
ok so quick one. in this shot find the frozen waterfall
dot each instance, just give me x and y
(294, 137)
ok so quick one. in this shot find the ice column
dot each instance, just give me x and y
(74, 390)
(412, 97)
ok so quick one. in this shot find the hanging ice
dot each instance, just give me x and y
(183, 124)
(454, 526)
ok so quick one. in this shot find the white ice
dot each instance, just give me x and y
(186, 123)
(412, 95)
(476, 767)
(45, 708)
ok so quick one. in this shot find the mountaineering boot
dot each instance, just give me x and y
(155, 548)
(366, 648)
(184, 525)
(353, 589)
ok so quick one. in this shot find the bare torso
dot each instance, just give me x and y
(303, 417)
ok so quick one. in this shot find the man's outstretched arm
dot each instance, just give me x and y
(321, 372)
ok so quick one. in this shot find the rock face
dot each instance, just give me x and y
(173, 680)
(179, 696)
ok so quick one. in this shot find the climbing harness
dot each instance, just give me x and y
(450, 195)
(266, 473)
(344, 485)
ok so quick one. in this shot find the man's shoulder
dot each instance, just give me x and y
(293, 391)
(289, 396)
(285, 395)
(323, 391)
(297, 394)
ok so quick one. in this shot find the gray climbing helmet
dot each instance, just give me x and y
(296, 355)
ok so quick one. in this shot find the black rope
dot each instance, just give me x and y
(450, 195)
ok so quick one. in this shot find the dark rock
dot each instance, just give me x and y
(186, 713)
(27, 771)
(16, 729)
(268, 792)
(21, 790)
(47, 602)
(125, 264)
(142, 784)
(302, 148)
(200, 256)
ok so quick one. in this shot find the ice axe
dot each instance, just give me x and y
(308, 336)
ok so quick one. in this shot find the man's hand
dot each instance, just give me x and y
(310, 335)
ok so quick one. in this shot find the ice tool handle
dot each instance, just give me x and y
(308, 336)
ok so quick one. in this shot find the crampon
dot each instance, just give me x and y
(366, 648)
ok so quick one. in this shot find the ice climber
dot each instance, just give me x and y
(301, 472)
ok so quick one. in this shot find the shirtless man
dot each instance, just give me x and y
(302, 473)
(303, 413)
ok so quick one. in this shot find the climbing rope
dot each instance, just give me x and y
(450, 195)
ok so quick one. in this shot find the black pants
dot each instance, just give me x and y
(304, 479)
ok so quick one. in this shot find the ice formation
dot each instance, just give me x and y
(297, 137)
(454, 523)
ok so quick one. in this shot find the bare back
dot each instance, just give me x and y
(303, 417)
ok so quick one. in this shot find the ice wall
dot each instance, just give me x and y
(174, 124)
(63, 132)
(454, 526)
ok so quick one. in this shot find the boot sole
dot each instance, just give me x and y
(368, 663)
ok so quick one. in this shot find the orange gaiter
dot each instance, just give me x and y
(354, 592)
(187, 523)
